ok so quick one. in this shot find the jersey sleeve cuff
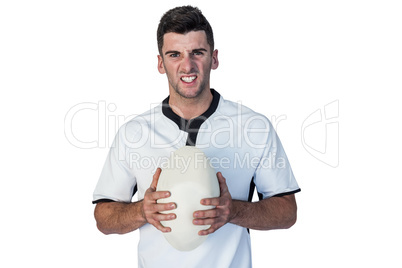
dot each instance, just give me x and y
(103, 200)
(287, 193)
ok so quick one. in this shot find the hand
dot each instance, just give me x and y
(151, 209)
(221, 214)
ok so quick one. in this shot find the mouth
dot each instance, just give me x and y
(188, 79)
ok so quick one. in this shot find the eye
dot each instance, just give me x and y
(174, 55)
(198, 53)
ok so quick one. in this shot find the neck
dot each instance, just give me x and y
(189, 108)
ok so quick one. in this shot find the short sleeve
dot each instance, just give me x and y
(274, 175)
(117, 181)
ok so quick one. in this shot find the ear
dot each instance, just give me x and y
(215, 61)
(161, 67)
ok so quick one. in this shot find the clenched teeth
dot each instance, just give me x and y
(188, 79)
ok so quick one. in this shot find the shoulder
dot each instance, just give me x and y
(242, 114)
(137, 126)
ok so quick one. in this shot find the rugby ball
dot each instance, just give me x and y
(189, 177)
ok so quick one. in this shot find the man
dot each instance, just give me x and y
(245, 148)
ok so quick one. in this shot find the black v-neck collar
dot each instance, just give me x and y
(191, 126)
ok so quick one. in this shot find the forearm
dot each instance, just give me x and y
(119, 218)
(267, 214)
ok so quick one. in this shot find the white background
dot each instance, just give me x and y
(286, 59)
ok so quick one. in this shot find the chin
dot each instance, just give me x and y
(189, 93)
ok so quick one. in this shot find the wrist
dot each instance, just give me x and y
(141, 213)
(235, 211)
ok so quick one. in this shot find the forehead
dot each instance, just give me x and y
(188, 41)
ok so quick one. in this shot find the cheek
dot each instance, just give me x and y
(167, 69)
(207, 68)
(171, 67)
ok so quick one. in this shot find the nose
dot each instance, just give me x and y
(187, 64)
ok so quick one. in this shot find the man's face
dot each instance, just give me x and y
(187, 61)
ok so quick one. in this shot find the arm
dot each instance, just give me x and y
(267, 214)
(121, 218)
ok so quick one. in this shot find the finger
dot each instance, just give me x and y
(209, 213)
(160, 207)
(208, 231)
(155, 178)
(216, 201)
(222, 183)
(164, 217)
(209, 221)
(153, 196)
(160, 227)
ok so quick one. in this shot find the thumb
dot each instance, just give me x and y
(222, 182)
(155, 178)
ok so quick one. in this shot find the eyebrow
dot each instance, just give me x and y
(199, 49)
(171, 52)
(194, 50)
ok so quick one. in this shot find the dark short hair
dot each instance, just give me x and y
(183, 20)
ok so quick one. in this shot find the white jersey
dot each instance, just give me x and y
(239, 142)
